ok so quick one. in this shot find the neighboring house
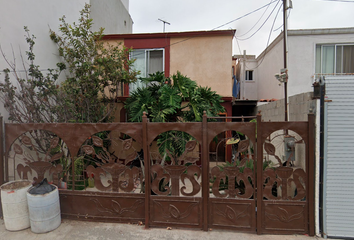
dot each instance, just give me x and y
(204, 56)
(41, 15)
(314, 53)
(245, 85)
(311, 53)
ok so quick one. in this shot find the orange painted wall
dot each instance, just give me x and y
(205, 60)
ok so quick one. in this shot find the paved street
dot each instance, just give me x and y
(90, 230)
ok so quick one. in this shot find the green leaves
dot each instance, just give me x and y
(96, 69)
(172, 99)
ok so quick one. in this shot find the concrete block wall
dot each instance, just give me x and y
(299, 107)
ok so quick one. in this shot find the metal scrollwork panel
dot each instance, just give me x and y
(176, 180)
(284, 183)
(231, 182)
(234, 180)
(284, 177)
(39, 154)
(111, 168)
(175, 173)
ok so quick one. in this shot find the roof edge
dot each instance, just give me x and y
(301, 32)
(230, 32)
(321, 31)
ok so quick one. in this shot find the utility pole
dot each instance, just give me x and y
(285, 40)
(164, 23)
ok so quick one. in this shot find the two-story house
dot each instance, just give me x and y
(203, 56)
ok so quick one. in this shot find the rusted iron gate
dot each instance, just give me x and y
(273, 195)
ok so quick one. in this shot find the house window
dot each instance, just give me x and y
(335, 59)
(147, 61)
(249, 75)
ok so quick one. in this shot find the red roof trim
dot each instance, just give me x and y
(226, 99)
(170, 34)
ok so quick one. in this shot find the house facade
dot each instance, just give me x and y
(203, 56)
(311, 52)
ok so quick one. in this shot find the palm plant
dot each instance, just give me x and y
(172, 99)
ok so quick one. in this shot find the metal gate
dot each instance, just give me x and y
(164, 174)
(338, 207)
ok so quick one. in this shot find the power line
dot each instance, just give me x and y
(236, 19)
(283, 24)
(243, 39)
(270, 34)
(245, 15)
(256, 22)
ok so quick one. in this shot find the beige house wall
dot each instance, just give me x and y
(115, 42)
(205, 60)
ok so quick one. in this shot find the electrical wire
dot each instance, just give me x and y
(243, 39)
(256, 22)
(283, 24)
(202, 33)
(206, 32)
(238, 45)
(236, 19)
(270, 34)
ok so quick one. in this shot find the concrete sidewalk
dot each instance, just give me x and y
(93, 230)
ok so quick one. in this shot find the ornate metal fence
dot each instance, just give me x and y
(247, 176)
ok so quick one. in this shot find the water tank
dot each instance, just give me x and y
(44, 211)
(14, 204)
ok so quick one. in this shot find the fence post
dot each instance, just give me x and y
(2, 159)
(147, 172)
(205, 173)
(259, 169)
(311, 173)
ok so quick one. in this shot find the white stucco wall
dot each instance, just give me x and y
(112, 15)
(41, 15)
(249, 88)
(126, 4)
(270, 63)
(301, 61)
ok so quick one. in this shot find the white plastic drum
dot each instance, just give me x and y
(14, 204)
(44, 211)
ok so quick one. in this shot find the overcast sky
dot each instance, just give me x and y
(195, 15)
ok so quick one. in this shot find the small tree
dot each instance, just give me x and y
(96, 69)
(88, 94)
(33, 97)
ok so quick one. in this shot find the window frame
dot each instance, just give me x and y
(247, 75)
(335, 46)
(146, 62)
